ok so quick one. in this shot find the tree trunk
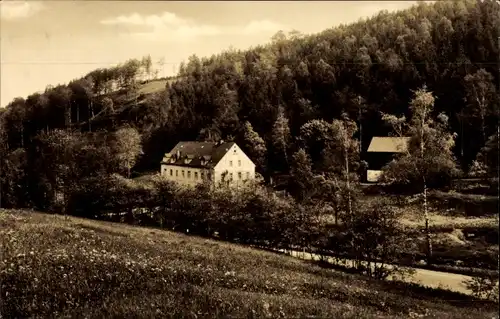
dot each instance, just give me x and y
(285, 154)
(483, 127)
(427, 230)
(462, 138)
(91, 115)
(22, 136)
(347, 180)
(360, 131)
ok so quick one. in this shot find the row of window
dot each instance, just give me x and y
(202, 174)
(195, 175)
(231, 163)
(240, 176)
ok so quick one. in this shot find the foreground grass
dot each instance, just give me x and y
(58, 267)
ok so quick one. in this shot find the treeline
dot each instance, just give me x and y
(72, 106)
(361, 69)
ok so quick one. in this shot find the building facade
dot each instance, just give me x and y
(192, 163)
(380, 152)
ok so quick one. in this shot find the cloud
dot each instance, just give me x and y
(262, 26)
(169, 26)
(153, 20)
(13, 10)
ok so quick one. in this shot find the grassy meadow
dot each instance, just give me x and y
(59, 266)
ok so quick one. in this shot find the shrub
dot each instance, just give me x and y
(484, 286)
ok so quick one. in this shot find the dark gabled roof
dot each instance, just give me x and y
(199, 154)
(388, 144)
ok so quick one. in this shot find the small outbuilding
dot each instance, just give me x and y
(381, 151)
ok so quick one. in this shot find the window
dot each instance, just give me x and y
(234, 150)
(171, 172)
(239, 162)
(248, 175)
(176, 173)
(239, 175)
(195, 175)
(231, 163)
(202, 175)
(230, 176)
(183, 173)
(189, 174)
(209, 176)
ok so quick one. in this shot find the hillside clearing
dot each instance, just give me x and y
(153, 86)
(61, 266)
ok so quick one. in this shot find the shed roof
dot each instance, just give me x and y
(388, 144)
(199, 154)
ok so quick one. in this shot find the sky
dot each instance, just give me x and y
(52, 42)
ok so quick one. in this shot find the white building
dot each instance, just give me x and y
(191, 163)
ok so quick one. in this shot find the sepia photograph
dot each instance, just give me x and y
(249, 159)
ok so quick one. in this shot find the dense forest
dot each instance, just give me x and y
(268, 99)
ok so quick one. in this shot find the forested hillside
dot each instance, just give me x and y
(263, 96)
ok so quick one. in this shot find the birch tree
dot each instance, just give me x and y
(341, 158)
(126, 145)
(428, 157)
(480, 93)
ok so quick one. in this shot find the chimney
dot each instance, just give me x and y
(221, 142)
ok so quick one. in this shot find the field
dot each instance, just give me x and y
(464, 228)
(153, 86)
(57, 266)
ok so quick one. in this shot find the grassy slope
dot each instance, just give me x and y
(57, 266)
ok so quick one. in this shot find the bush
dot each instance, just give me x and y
(484, 287)
(250, 214)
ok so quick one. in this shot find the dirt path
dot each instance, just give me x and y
(424, 277)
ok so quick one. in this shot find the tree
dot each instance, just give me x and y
(13, 179)
(107, 105)
(341, 158)
(480, 97)
(254, 146)
(313, 137)
(280, 136)
(487, 158)
(303, 185)
(55, 168)
(378, 239)
(428, 159)
(82, 88)
(360, 101)
(126, 147)
(147, 64)
(226, 119)
(14, 121)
